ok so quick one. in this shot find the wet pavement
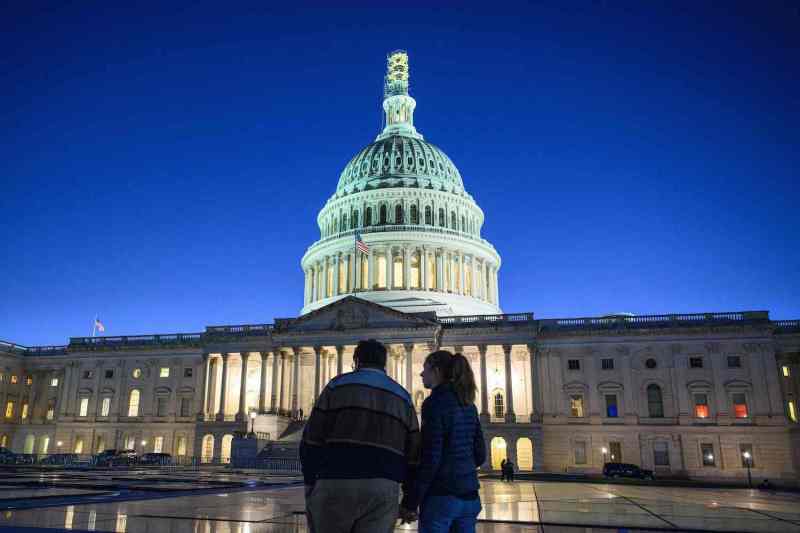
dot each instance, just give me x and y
(250, 502)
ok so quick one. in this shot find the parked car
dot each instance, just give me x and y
(7, 456)
(116, 457)
(155, 458)
(626, 470)
(60, 459)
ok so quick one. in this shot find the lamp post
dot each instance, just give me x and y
(748, 460)
(252, 421)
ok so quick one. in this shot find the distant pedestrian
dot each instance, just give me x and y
(509, 471)
(503, 470)
(360, 443)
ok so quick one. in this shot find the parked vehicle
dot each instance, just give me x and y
(626, 470)
(116, 457)
(7, 456)
(60, 459)
(155, 458)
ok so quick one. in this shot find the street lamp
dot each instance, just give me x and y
(252, 421)
(605, 453)
(748, 460)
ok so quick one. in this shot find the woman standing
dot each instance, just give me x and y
(446, 487)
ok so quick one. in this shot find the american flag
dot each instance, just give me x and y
(361, 245)
(99, 325)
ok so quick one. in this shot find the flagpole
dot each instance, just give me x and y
(356, 261)
(94, 325)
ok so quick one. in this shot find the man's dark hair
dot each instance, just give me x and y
(370, 353)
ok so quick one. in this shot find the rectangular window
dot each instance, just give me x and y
(84, 410)
(573, 364)
(608, 364)
(180, 449)
(661, 453)
(380, 265)
(161, 406)
(13, 379)
(186, 407)
(51, 409)
(611, 405)
(785, 371)
(739, 405)
(88, 374)
(109, 374)
(105, 409)
(576, 405)
(580, 453)
(397, 273)
(24, 413)
(164, 373)
(746, 453)
(701, 405)
(187, 372)
(792, 411)
(707, 451)
(615, 449)
(9, 409)
(695, 362)
(54, 382)
(28, 380)
(734, 361)
(158, 444)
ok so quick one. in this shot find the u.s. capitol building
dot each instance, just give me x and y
(401, 259)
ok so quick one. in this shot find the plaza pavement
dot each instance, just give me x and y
(230, 502)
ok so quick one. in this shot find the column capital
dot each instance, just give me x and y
(317, 350)
(339, 350)
(224, 356)
(532, 347)
(409, 347)
(507, 349)
(296, 351)
(264, 356)
(458, 349)
(244, 355)
(482, 349)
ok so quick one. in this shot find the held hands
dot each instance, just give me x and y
(407, 516)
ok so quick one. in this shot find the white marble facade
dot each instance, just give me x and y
(683, 394)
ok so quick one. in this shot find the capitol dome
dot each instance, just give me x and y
(401, 230)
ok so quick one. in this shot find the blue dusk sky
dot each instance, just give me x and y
(163, 164)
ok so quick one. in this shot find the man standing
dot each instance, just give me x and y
(361, 442)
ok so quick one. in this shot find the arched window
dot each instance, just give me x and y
(208, 449)
(343, 225)
(525, 454)
(655, 401)
(78, 445)
(180, 446)
(414, 215)
(44, 445)
(398, 214)
(428, 215)
(463, 223)
(499, 405)
(441, 217)
(133, 403)
(453, 220)
(368, 217)
(3, 441)
(498, 447)
(335, 226)
(225, 451)
(354, 220)
(382, 219)
(101, 444)
(30, 440)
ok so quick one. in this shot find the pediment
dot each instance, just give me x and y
(352, 312)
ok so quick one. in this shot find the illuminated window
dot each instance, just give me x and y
(611, 406)
(180, 447)
(28, 380)
(24, 413)
(54, 382)
(792, 411)
(9, 409)
(701, 405)
(133, 403)
(739, 405)
(397, 277)
(51, 410)
(380, 281)
(158, 444)
(431, 271)
(78, 445)
(13, 379)
(499, 405)
(84, 410)
(785, 371)
(707, 453)
(414, 271)
(576, 405)
(105, 408)
(164, 372)
(137, 373)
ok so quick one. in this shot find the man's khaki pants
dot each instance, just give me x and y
(353, 506)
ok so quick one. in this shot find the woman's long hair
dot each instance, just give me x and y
(456, 370)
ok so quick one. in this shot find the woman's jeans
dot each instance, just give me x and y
(448, 514)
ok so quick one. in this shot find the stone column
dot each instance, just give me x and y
(317, 352)
(474, 266)
(484, 385)
(325, 278)
(339, 356)
(389, 268)
(409, 384)
(371, 273)
(336, 267)
(223, 387)
(536, 404)
(423, 268)
(242, 415)
(296, 381)
(305, 287)
(356, 268)
(406, 269)
(201, 413)
(283, 381)
(462, 266)
(351, 271)
(262, 386)
(495, 287)
(510, 416)
(439, 270)
(65, 387)
(273, 401)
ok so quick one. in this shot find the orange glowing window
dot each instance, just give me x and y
(739, 405)
(701, 411)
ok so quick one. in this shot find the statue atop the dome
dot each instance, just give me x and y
(396, 81)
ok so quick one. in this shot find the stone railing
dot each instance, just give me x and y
(653, 321)
(10, 347)
(786, 326)
(467, 321)
(423, 228)
(78, 343)
(245, 330)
